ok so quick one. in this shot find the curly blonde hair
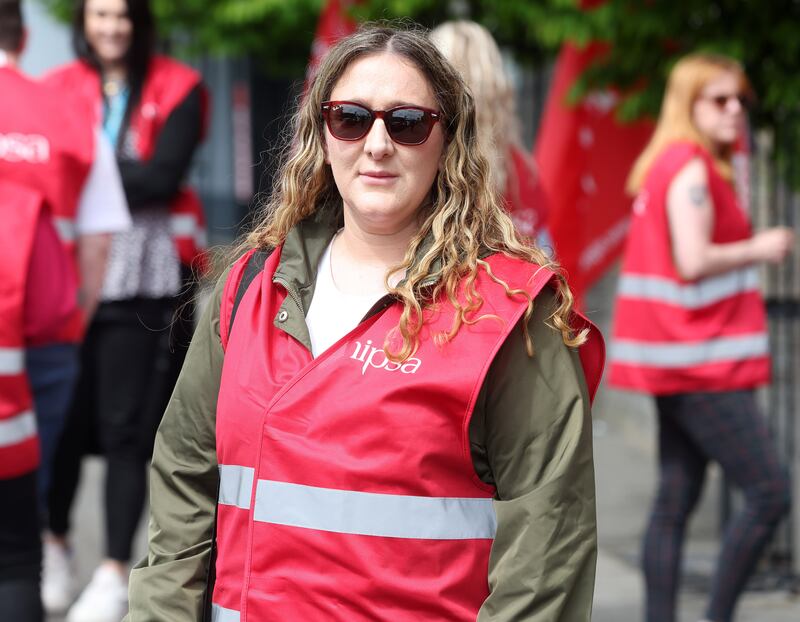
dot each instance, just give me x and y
(464, 218)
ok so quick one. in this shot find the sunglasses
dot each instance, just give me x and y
(406, 125)
(721, 101)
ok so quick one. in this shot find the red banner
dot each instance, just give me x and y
(334, 23)
(584, 157)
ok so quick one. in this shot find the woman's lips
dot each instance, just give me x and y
(377, 178)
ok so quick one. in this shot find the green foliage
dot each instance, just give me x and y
(645, 37)
(276, 33)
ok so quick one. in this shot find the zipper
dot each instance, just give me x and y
(292, 293)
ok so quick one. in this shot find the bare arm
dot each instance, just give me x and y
(92, 255)
(691, 222)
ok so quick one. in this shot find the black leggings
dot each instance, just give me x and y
(693, 429)
(129, 363)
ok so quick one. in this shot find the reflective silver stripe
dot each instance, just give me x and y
(697, 295)
(235, 485)
(183, 225)
(221, 614)
(187, 226)
(660, 354)
(65, 228)
(12, 361)
(19, 428)
(373, 514)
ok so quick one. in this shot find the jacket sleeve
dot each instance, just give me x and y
(531, 437)
(169, 584)
(158, 179)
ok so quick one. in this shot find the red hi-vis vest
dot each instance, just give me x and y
(347, 489)
(45, 145)
(167, 84)
(673, 335)
(19, 443)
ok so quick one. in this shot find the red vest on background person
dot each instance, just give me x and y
(673, 335)
(347, 488)
(45, 146)
(524, 195)
(19, 444)
(166, 85)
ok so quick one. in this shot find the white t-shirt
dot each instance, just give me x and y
(333, 313)
(102, 207)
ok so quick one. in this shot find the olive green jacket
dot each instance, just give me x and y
(531, 438)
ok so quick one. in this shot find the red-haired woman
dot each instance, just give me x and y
(690, 329)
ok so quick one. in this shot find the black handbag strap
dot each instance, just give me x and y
(253, 268)
(255, 264)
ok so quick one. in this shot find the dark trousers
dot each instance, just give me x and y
(52, 372)
(20, 550)
(129, 363)
(693, 429)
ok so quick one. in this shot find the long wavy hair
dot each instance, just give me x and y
(686, 81)
(463, 220)
(472, 50)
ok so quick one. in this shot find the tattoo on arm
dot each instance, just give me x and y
(698, 195)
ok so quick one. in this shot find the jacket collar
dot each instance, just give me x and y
(305, 244)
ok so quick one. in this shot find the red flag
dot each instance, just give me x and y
(334, 23)
(584, 158)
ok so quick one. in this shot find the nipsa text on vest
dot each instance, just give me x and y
(376, 357)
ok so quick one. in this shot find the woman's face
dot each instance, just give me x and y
(109, 30)
(382, 183)
(718, 111)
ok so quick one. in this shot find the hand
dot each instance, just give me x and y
(772, 245)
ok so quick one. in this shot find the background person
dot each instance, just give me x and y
(39, 289)
(473, 51)
(377, 375)
(690, 329)
(152, 108)
(49, 146)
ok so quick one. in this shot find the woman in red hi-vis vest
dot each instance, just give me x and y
(384, 413)
(690, 329)
(153, 109)
(471, 48)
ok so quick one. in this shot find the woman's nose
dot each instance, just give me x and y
(378, 143)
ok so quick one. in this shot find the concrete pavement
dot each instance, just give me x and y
(625, 472)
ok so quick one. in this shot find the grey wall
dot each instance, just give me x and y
(48, 42)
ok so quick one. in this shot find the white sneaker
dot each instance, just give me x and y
(58, 588)
(105, 599)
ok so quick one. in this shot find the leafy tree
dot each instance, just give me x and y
(645, 38)
(276, 33)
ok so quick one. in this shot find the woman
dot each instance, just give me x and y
(474, 52)
(362, 381)
(153, 110)
(690, 329)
